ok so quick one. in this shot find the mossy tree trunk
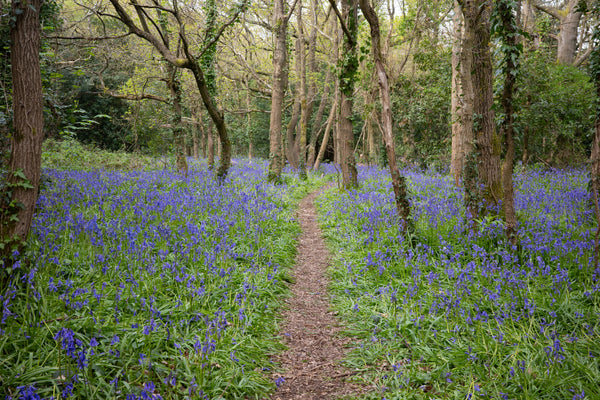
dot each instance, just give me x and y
(486, 151)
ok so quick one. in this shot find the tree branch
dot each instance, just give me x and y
(221, 30)
(341, 19)
(90, 38)
(291, 11)
(548, 10)
(126, 19)
(582, 58)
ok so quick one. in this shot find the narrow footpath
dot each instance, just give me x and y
(312, 364)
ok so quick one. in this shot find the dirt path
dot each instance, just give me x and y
(310, 330)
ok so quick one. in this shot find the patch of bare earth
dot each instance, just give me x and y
(312, 364)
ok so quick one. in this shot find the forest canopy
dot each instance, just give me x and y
(107, 86)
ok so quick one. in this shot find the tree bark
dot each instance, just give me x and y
(210, 144)
(462, 97)
(347, 77)
(312, 90)
(569, 19)
(176, 124)
(398, 181)
(292, 152)
(174, 86)
(24, 167)
(488, 145)
(510, 40)
(280, 77)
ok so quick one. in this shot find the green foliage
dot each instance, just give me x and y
(556, 109)
(421, 108)
(69, 154)
(9, 210)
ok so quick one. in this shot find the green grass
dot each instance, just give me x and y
(452, 315)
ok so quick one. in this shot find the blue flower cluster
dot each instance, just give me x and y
(145, 282)
(452, 299)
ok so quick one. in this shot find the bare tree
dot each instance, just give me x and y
(189, 60)
(398, 181)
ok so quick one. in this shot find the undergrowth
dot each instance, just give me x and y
(450, 314)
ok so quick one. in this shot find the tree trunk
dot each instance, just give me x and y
(567, 36)
(509, 37)
(457, 103)
(197, 134)
(304, 106)
(24, 167)
(195, 151)
(176, 124)
(312, 90)
(280, 77)
(210, 144)
(569, 19)
(487, 149)
(317, 129)
(325, 142)
(292, 152)
(347, 78)
(595, 176)
(398, 181)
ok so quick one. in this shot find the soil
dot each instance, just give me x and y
(312, 363)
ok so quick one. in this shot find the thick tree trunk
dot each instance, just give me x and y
(457, 157)
(567, 36)
(510, 64)
(488, 145)
(347, 77)
(398, 181)
(280, 77)
(24, 166)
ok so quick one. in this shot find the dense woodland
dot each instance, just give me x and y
(118, 75)
(433, 84)
(468, 117)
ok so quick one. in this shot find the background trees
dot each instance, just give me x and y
(106, 87)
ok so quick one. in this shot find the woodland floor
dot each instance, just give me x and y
(312, 363)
